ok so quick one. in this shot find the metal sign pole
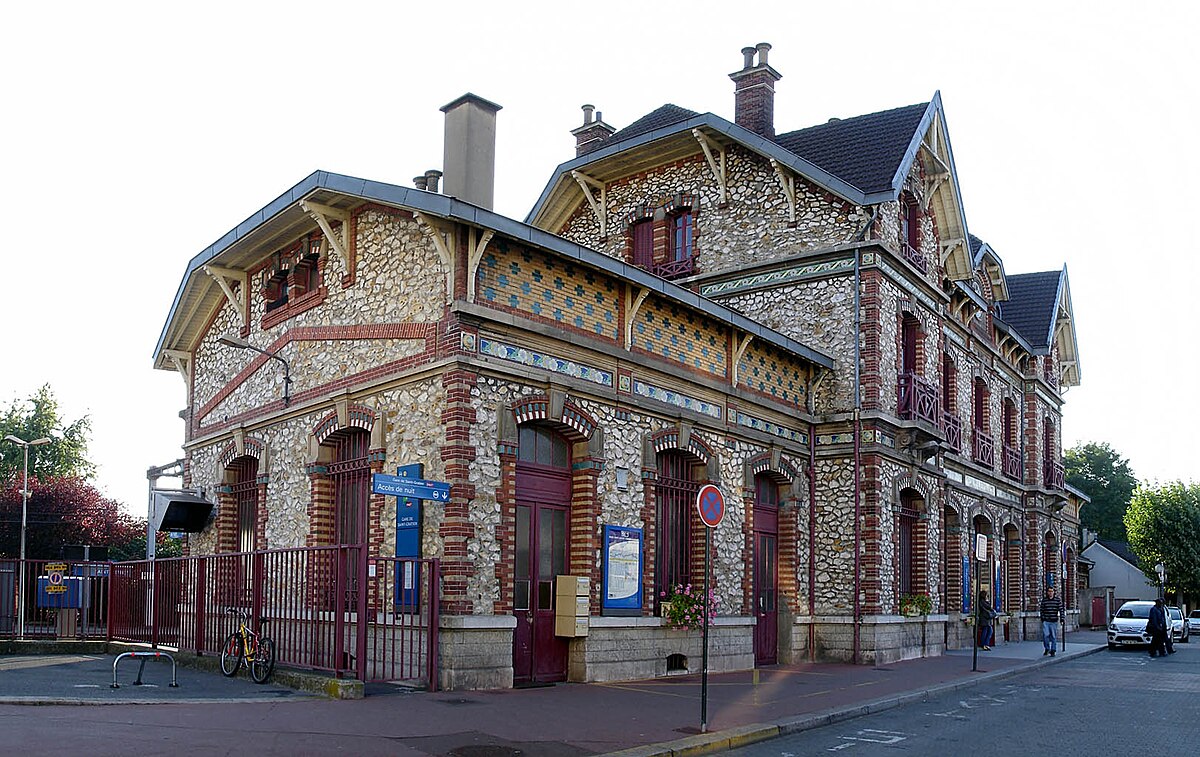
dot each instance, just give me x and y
(704, 659)
(975, 610)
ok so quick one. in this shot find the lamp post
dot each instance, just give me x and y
(242, 344)
(24, 509)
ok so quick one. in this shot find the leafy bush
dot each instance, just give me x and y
(683, 607)
(919, 604)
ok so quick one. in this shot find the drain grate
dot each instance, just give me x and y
(484, 750)
(459, 701)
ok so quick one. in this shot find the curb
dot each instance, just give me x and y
(732, 738)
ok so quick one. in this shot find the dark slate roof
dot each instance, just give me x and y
(975, 243)
(1120, 549)
(1032, 298)
(865, 151)
(664, 116)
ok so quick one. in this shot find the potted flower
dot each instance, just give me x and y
(683, 607)
(914, 605)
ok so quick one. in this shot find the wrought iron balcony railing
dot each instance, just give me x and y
(983, 448)
(1011, 462)
(1054, 475)
(918, 400)
(674, 269)
(952, 427)
(914, 256)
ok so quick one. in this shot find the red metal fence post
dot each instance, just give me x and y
(360, 631)
(435, 572)
(201, 605)
(338, 606)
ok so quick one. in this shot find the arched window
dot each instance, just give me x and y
(676, 494)
(541, 446)
(979, 404)
(983, 448)
(1010, 423)
(910, 232)
(910, 501)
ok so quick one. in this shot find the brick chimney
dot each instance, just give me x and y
(469, 152)
(593, 134)
(754, 92)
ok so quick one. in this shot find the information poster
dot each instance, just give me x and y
(622, 571)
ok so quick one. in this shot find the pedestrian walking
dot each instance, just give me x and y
(984, 619)
(1052, 613)
(1157, 626)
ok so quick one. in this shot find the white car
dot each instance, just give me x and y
(1179, 627)
(1193, 622)
(1128, 626)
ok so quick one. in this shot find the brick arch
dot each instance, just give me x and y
(783, 468)
(574, 423)
(251, 447)
(908, 481)
(695, 447)
(357, 416)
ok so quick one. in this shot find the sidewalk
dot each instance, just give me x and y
(642, 718)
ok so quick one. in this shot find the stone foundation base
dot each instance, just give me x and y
(625, 649)
(475, 652)
(882, 638)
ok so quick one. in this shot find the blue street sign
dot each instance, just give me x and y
(395, 486)
(408, 543)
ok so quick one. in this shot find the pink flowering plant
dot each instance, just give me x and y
(683, 607)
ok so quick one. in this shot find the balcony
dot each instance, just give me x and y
(983, 449)
(952, 427)
(914, 256)
(1011, 462)
(1053, 474)
(918, 400)
(673, 269)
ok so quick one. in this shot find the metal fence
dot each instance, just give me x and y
(307, 600)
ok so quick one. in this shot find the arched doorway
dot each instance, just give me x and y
(1011, 590)
(983, 568)
(542, 527)
(766, 569)
(351, 474)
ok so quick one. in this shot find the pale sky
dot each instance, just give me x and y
(134, 135)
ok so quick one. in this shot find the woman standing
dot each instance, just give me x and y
(987, 633)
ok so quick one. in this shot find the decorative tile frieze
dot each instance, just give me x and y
(536, 359)
(675, 398)
(824, 440)
(774, 429)
(779, 276)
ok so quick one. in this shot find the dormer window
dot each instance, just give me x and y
(681, 236)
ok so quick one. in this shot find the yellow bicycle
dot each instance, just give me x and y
(256, 650)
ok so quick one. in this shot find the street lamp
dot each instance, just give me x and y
(24, 508)
(242, 344)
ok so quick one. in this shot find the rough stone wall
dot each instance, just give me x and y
(891, 473)
(819, 314)
(398, 269)
(834, 536)
(753, 227)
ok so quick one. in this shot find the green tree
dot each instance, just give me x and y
(1163, 524)
(1099, 471)
(37, 417)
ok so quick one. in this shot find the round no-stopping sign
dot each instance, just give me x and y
(710, 503)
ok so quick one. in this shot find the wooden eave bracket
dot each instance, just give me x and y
(441, 236)
(715, 162)
(633, 303)
(949, 245)
(787, 182)
(599, 207)
(182, 362)
(223, 277)
(323, 214)
(739, 349)
(932, 185)
(476, 246)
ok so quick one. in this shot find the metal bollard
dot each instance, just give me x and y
(143, 656)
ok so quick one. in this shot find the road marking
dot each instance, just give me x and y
(870, 736)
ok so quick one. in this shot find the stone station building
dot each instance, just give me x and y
(802, 319)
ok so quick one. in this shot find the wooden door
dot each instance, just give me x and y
(766, 571)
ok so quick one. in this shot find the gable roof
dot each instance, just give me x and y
(663, 116)
(865, 151)
(283, 218)
(1120, 549)
(1031, 306)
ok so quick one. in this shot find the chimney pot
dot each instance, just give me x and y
(419, 181)
(763, 49)
(592, 135)
(749, 53)
(587, 114)
(431, 179)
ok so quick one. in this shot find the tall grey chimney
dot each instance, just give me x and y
(754, 92)
(469, 156)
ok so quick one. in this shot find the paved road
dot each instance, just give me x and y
(1111, 703)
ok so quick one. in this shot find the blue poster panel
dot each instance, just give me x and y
(622, 590)
(408, 544)
(966, 585)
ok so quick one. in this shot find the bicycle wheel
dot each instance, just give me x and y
(264, 660)
(231, 654)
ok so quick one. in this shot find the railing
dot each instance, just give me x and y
(1011, 462)
(952, 427)
(983, 448)
(386, 632)
(914, 256)
(64, 599)
(674, 269)
(1053, 474)
(917, 399)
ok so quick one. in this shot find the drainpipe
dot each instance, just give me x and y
(812, 543)
(857, 446)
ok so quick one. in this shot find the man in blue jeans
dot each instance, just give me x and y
(1052, 613)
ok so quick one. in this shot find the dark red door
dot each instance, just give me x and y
(766, 571)
(541, 528)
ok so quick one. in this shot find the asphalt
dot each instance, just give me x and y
(635, 718)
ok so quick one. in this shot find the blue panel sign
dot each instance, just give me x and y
(399, 486)
(966, 584)
(408, 540)
(622, 590)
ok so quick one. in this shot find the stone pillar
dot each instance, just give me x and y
(457, 457)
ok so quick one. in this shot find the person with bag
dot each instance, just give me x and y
(985, 618)
(1156, 625)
